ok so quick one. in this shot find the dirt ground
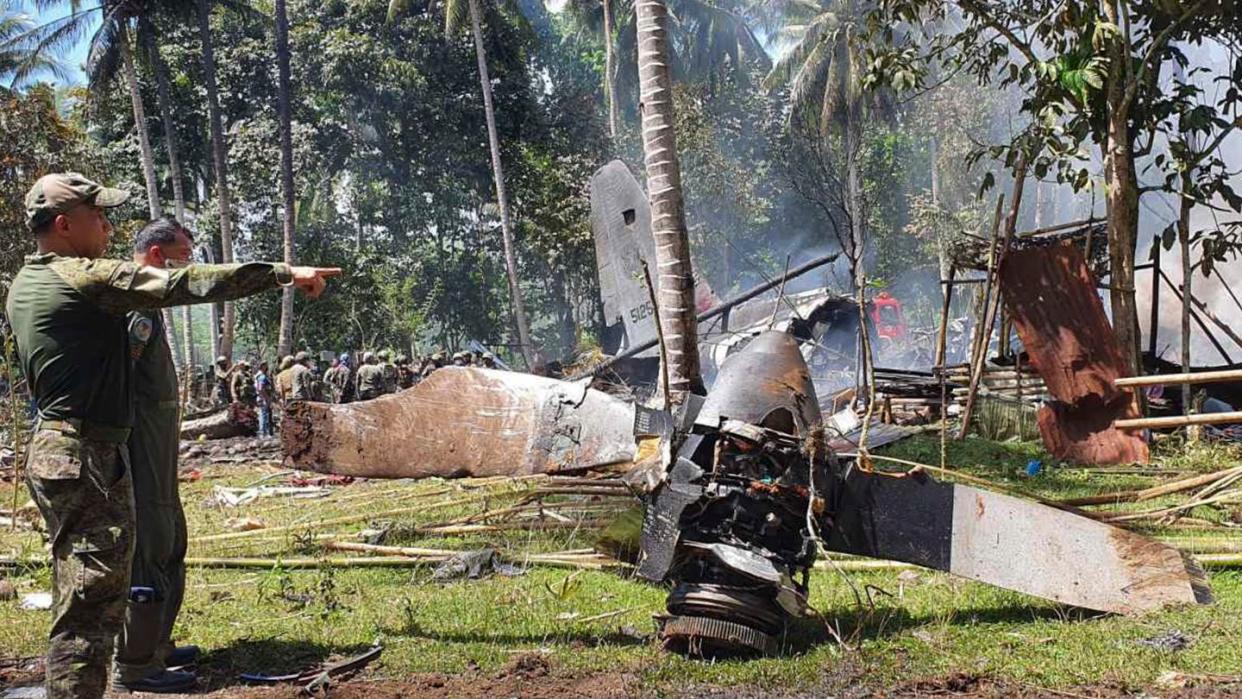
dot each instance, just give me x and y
(533, 677)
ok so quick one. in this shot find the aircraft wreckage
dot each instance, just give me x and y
(740, 492)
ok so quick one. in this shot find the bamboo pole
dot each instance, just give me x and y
(1178, 420)
(1153, 492)
(1221, 376)
(349, 519)
(984, 331)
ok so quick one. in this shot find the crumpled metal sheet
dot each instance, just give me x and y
(768, 376)
(464, 422)
(1051, 297)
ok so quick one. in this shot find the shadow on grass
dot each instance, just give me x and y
(568, 637)
(222, 667)
(857, 625)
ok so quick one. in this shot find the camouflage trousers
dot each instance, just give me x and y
(83, 489)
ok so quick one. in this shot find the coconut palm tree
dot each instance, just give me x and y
(708, 40)
(668, 216)
(457, 13)
(283, 92)
(824, 70)
(20, 61)
(219, 153)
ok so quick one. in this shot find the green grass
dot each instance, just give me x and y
(919, 625)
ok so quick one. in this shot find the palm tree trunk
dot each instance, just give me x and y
(219, 151)
(285, 343)
(610, 91)
(148, 163)
(140, 125)
(853, 144)
(668, 216)
(502, 199)
(160, 69)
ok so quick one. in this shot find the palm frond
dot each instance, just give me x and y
(456, 15)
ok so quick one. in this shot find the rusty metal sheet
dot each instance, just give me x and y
(1012, 543)
(464, 422)
(1051, 297)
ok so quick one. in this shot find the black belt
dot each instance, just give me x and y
(86, 429)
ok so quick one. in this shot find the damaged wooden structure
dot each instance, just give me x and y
(1043, 286)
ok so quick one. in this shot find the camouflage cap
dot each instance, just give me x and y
(59, 192)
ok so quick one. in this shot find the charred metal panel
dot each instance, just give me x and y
(1051, 297)
(464, 422)
(901, 519)
(1011, 543)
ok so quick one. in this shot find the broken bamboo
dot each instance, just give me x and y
(1153, 492)
(348, 519)
(1140, 423)
(991, 295)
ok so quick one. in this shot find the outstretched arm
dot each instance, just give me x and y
(121, 286)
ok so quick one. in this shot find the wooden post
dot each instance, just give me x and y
(945, 308)
(1199, 321)
(990, 309)
(1153, 328)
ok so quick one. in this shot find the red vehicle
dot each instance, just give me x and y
(887, 317)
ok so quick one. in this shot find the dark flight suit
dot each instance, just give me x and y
(69, 319)
(160, 542)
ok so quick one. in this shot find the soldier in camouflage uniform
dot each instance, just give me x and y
(67, 309)
(242, 385)
(370, 378)
(302, 379)
(389, 371)
(284, 378)
(336, 381)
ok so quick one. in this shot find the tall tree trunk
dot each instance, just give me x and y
(502, 199)
(853, 144)
(1183, 239)
(148, 163)
(289, 219)
(140, 125)
(610, 87)
(160, 69)
(668, 216)
(1122, 196)
(219, 152)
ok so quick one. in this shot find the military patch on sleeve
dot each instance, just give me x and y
(140, 329)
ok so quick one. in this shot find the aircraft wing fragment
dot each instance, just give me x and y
(465, 422)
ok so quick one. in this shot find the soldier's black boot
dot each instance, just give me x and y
(162, 682)
(182, 656)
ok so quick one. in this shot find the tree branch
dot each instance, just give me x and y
(1157, 43)
(1004, 31)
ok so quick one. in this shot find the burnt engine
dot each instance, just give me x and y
(731, 524)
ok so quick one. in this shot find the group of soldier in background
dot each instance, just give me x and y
(300, 377)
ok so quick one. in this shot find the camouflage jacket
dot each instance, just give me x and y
(69, 319)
